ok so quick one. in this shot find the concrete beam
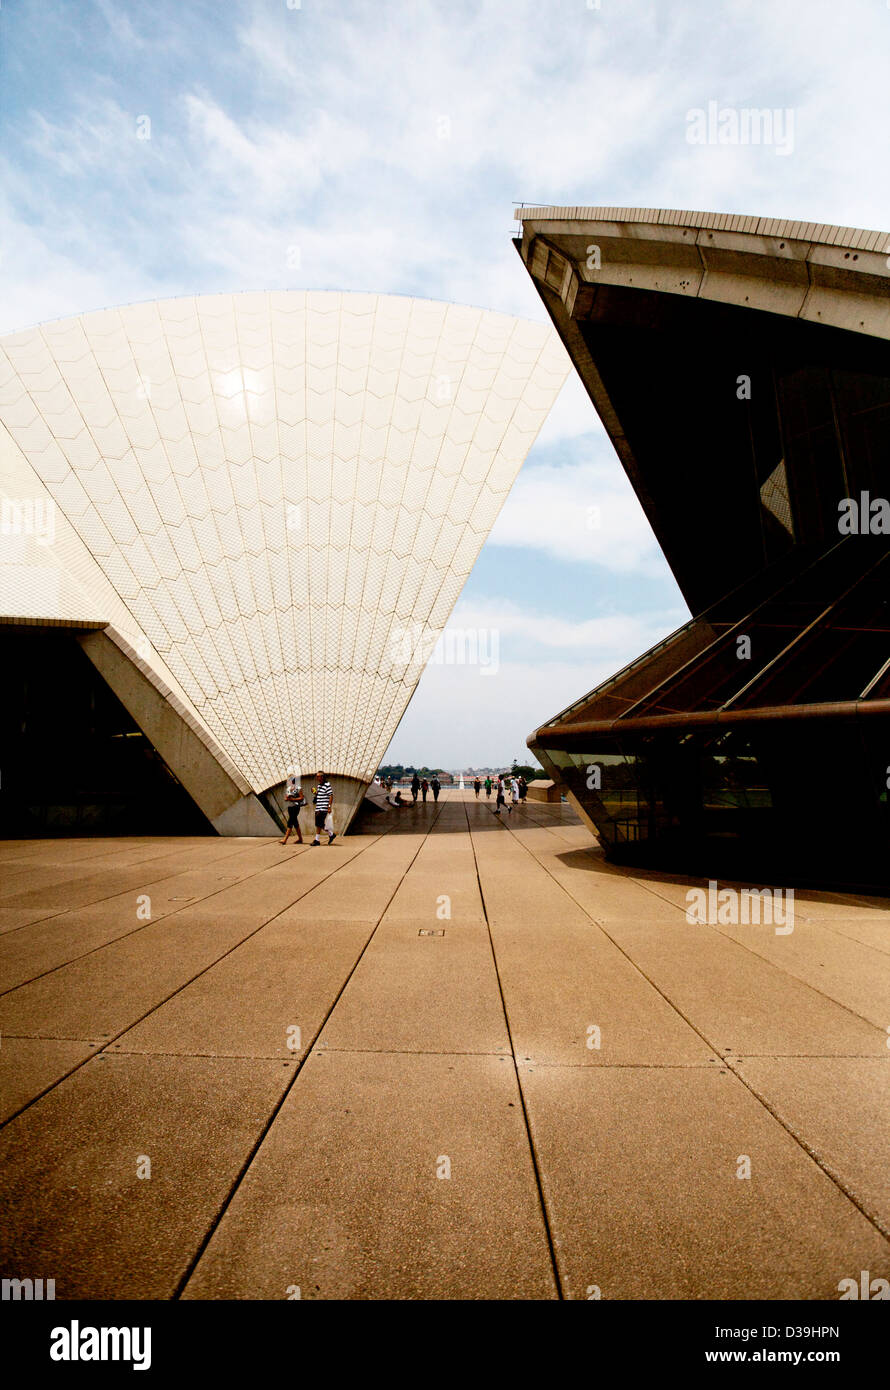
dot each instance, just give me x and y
(213, 783)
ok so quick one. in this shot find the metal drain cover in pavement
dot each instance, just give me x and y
(431, 931)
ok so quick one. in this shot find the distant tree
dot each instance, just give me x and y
(398, 770)
(524, 770)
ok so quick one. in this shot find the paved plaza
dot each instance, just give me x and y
(452, 1056)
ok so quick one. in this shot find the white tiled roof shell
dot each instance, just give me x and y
(263, 491)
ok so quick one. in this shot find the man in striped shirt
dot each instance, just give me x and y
(324, 806)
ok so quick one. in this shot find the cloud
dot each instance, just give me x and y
(47, 278)
(609, 638)
(388, 143)
(82, 145)
(583, 512)
(481, 714)
(573, 414)
(458, 718)
(385, 145)
(267, 160)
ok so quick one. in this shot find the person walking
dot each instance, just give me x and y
(500, 799)
(415, 787)
(523, 790)
(477, 787)
(294, 802)
(324, 807)
(514, 793)
(424, 788)
(487, 787)
(436, 786)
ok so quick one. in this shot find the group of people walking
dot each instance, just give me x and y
(517, 787)
(421, 786)
(323, 800)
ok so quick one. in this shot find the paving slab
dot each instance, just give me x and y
(80, 848)
(604, 894)
(45, 946)
(819, 905)
(573, 998)
(639, 1168)
(343, 1199)
(404, 1036)
(296, 872)
(545, 839)
(517, 889)
(81, 854)
(287, 976)
(847, 971)
(838, 1107)
(561, 832)
(413, 993)
(444, 850)
(422, 893)
(28, 1066)
(363, 894)
(809, 904)
(74, 1209)
(64, 865)
(13, 918)
(112, 988)
(872, 931)
(68, 889)
(737, 1001)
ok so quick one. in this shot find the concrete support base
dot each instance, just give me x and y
(544, 790)
(349, 793)
(212, 782)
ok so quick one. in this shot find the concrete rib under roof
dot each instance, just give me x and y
(854, 238)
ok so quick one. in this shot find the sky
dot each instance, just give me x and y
(178, 149)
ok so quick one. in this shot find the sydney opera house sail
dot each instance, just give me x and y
(244, 510)
(741, 366)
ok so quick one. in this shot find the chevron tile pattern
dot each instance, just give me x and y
(266, 492)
